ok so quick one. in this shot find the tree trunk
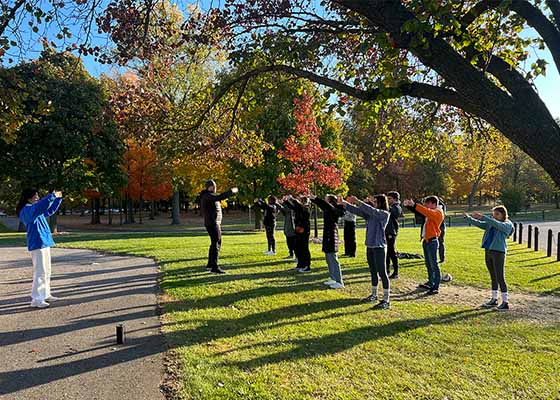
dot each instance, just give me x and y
(176, 208)
(153, 210)
(315, 222)
(53, 222)
(141, 209)
(258, 218)
(110, 202)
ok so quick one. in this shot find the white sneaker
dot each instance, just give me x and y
(337, 285)
(52, 298)
(39, 304)
(329, 282)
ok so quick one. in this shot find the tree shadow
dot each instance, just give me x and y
(342, 341)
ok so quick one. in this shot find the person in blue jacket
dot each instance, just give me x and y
(32, 212)
(496, 230)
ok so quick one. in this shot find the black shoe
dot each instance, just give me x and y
(503, 307)
(382, 305)
(304, 270)
(425, 286)
(217, 271)
(432, 292)
(489, 304)
(208, 267)
(442, 260)
(371, 298)
(394, 276)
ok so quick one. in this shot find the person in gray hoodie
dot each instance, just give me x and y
(376, 213)
(496, 230)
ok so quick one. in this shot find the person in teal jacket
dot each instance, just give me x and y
(494, 242)
(32, 212)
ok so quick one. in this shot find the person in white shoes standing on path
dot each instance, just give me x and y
(32, 212)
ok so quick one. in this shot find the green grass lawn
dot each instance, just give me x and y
(265, 332)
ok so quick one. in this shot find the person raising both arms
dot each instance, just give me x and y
(32, 212)
(376, 214)
(331, 213)
(392, 231)
(270, 209)
(212, 212)
(430, 232)
(302, 215)
(497, 229)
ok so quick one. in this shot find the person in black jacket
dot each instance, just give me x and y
(212, 211)
(332, 211)
(303, 230)
(391, 232)
(270, 210)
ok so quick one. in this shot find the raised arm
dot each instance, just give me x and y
(505, 227)
(476, 222)
(322, 204)
(223, 196)
(29, 214)
(53, 208)
(261, 204)
(429, 213)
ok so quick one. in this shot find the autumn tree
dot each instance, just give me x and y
(72, 147)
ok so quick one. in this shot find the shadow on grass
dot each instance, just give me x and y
(342, 341)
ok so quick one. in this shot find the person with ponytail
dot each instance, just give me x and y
(32, 212)
(497, 228)
(375, 210)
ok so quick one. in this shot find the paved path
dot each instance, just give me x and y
(543, 234)
(68, 351)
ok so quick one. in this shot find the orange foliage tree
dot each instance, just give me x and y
(311, 164)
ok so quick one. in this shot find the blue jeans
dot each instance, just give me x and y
(432, 265)
(334, 267)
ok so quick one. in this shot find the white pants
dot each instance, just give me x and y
(41, 274)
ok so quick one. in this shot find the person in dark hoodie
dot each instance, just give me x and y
(332, 211)
(303, 230)
(32, 212)
(289, 229)
(212, 211)
(270, 210)
(391, 232)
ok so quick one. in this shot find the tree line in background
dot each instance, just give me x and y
(154, 133)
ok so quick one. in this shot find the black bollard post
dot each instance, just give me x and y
(536, 238)
(558, 248)
(549, 244)
(120, 333)
(530, 237)
(520, 237)
(515, 231)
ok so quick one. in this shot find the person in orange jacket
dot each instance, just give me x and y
(430, 234)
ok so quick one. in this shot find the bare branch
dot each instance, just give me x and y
(5, 19)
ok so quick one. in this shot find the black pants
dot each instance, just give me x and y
(376, 262)
(302, 250)
(495, 262)
(441, 240)
(291, 242)
(350, 238)
(392, 254)
(215, 233)
(270, 237)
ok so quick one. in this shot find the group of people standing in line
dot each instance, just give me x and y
(380, 212)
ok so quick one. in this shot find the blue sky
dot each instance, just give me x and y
(547, 86)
